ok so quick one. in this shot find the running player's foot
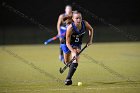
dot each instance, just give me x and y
(61, 58)
(68, 82)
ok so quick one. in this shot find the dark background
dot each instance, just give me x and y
(112, 20)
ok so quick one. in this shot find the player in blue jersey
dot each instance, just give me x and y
(63, 20)
(72, 42)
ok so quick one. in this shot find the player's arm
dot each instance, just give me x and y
(90, 29)
(60, 19)
(68, 37)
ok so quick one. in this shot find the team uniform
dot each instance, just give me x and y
(72, 41)
(63, 28)
(76, 38)
(75, 42)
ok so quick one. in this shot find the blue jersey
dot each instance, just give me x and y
(66, 21)
(76, 38)
(77, 35)
(62, 32)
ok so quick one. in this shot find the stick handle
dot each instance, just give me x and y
(53, 38)
(64, 68)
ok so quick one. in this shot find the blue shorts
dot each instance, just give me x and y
(66, 49)
(62, 30)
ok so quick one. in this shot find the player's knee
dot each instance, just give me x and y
(77, 57)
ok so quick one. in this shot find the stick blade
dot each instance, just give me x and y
(61, 70)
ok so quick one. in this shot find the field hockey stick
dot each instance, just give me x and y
(61, 70)
(53, 38)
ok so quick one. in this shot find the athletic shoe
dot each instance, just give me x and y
(68, 82)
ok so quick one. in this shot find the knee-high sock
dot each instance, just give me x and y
(72, 70)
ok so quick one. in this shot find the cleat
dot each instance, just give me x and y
(68, 82)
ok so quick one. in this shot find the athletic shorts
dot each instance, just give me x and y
(62, 30)
(66, 49)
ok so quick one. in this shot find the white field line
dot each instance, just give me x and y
(64, 89)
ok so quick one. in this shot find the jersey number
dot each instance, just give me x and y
(77, 39)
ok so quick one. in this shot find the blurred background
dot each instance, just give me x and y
(34, 21)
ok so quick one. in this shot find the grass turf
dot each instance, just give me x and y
(103, 68)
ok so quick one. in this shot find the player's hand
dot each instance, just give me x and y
(74, 53)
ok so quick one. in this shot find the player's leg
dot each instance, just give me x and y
(72, 68)
(62, 31)
(66, 53)
(61, 57)
(67, 58)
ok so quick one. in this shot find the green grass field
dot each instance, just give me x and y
(103, 68)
